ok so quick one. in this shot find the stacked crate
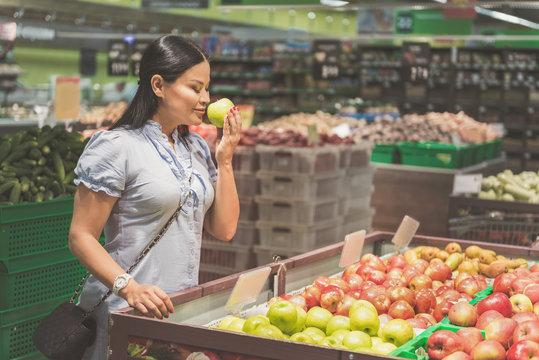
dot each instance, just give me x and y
(299, 201)
(357, 188)
(37, 271)
(219, 258)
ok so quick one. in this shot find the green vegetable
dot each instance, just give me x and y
(15, 194)
(58, 165)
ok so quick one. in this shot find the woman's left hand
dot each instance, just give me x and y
(230, 138)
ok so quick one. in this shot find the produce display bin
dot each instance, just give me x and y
(34, 234)
(493, 149)
(248, 209)
(358, 181)
(247, 184)
(246, 235)
(299, 160)
(292, 211)
(355, 203)
(383, 153)
(201, 305)
(229, 256)
(245, 159)
(508, 222)
(300, 186)
(431, 154)
(355, 155)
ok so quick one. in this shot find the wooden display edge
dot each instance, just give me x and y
(124, 323)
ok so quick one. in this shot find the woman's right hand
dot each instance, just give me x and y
(150, 300)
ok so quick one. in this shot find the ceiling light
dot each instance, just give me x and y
(507, 18)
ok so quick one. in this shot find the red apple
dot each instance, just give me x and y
(437, 284)
(343, 308)
(356, 294)
(451, 295)
(299, 301)
(397, 261)
(391, 283)
(487, 317)
(274, 300)
(441, 290)
(458, 355)
(443, 343)
(532, 292)
(364, 271)
(420, 264)
(341, 283)
(395, 273)
(402, 293)
(536, 308)
(330, 297)
(481, 280)
(534, 268)
(521, 303)
(409, 272)
(376, 276)
(351, 269)
(469, 286)
(401, 309)
(438, 271)
(465, 297)
(353, 280)
(321, 282)
(365, 285)
(527, 330)
(496, 301)
(425, 301)
(450, 283)
(488, 350)
(461, 276)
(312, 296)
(524, 316)
(522, 273)
(377, 296)
(470, 337)
(523, 350)
(418, 322)
(463, 314)
(373, 261)
(502, 283)
(420, 282)
(518, 286)
(501, 330)
(534, 276)
(428, 317)
(442, 310)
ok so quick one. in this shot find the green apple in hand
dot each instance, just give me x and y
(284, 315)
(398, 332)
(355, 339)
(337, 322)
(218, 110)
(253, 322)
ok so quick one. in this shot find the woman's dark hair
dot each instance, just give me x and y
(169, 56)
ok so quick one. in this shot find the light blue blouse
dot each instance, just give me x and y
(150, 180)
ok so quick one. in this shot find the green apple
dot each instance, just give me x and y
(337, 322)
(365, 319)
(253, 322)
(360, 304)
(398, 332)
(318, 317)
(340, 334)
(331, 342)
(236, 325)
(300, 321)
(302, 337)
(375, 340)
(355, 339)
(363, 350)
(226, 321)
(315, 333)
(284, 315)
(268, 330)
(383, 348)
(218, 110)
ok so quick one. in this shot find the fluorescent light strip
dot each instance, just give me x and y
(507, 18)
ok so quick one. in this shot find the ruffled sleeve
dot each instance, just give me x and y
(102, 165)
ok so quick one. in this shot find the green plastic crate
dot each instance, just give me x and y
(480, 154)
(481, 295)
(409, 349)
(37, 285)
(35, 234)
(493, 149)
(438, 155)
(16, 339)
(383, 153)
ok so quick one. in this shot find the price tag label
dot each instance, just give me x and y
(247, 289)
(312, 134)
(351, 251)
(405, 232)
(467, 184)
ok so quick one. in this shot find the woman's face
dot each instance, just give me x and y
(185, 99)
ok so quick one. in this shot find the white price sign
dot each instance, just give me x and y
(405, 232)
(351, 251)
(247, 289)
(467, 184)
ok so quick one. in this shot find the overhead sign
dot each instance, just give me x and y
(404, 23)
(8, 31)
(118, 58)
(326, 55)
(185, 4)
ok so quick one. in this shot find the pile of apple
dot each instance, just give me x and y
(509, 318)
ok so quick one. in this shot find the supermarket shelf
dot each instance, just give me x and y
(240, 75)
(241, 59)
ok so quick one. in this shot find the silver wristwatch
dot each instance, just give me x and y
(120, 282)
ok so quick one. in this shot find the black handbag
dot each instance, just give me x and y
(68, 331)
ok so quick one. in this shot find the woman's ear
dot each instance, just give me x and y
(157, 83)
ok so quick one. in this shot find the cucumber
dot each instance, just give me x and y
(7, 185)
(28, 162)
(69, 178)
(19, 171)
(46, 150)
(70, 188)
(15, 194)
(42, 161)
(518, 192)
(5, 148)
(54, 186)
(58, 165)
(25, 184)
(16, 139)
(14, 156)
(39, 197)
(48, 195)
(34, 154)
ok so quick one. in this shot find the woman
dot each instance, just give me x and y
(132, 178)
